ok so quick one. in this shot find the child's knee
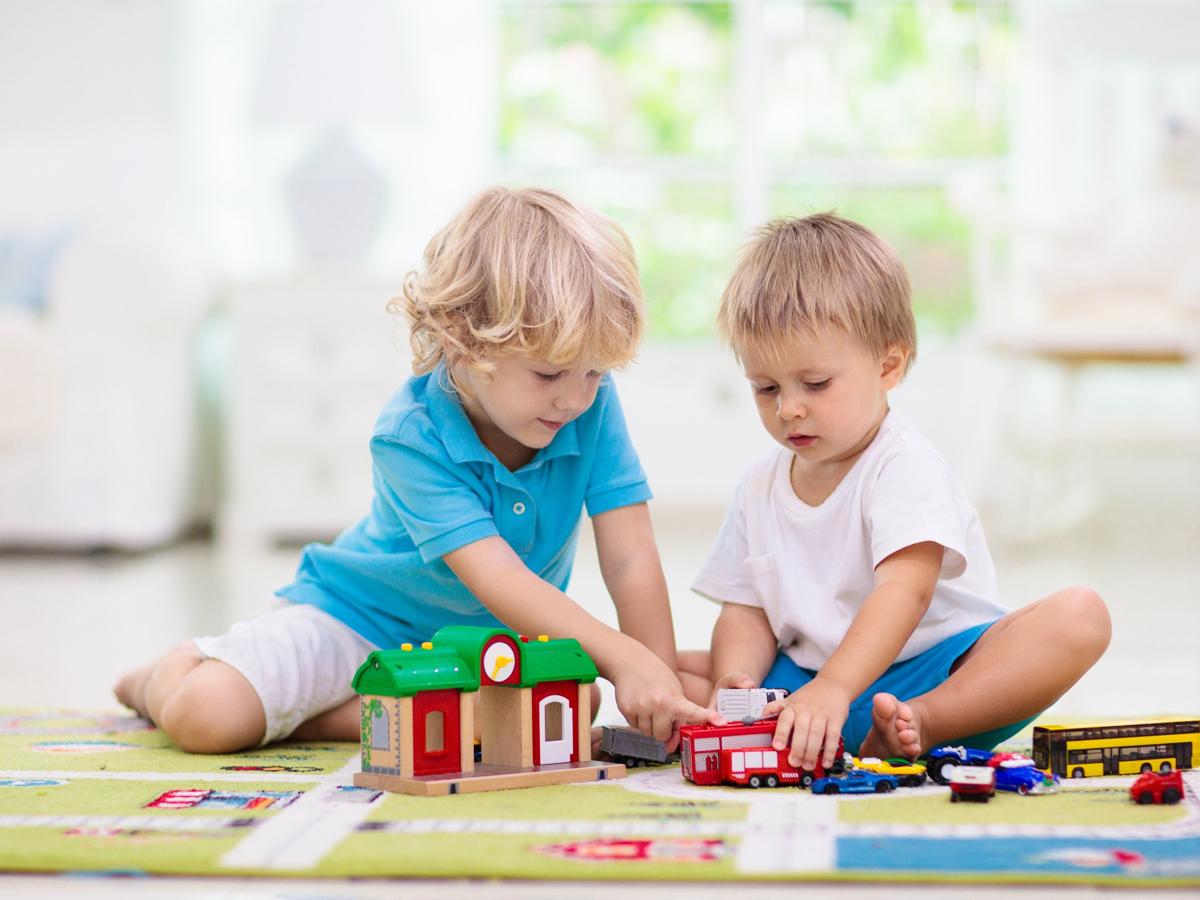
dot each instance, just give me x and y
(1084, 619)
(213, 710)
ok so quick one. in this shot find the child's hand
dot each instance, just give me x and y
(732, 680)
(813, 718)
(651, 698)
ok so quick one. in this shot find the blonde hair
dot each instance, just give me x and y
(529, 272)
(799, 274)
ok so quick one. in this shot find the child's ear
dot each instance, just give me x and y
(895, 359)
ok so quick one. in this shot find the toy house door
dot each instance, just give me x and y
(556, 730)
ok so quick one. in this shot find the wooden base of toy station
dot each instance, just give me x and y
(490, 778)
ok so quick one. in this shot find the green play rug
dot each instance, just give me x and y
(81, 792)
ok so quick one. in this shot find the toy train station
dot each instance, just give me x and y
(534, 706)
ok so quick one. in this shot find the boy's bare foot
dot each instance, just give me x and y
(130, 689)
(895, 729)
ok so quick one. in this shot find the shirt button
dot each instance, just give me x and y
(519, 508)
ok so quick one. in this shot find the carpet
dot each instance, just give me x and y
(84, 792)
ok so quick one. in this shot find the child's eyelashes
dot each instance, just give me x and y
(593, 375)
(811, 386)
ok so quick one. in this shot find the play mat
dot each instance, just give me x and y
(81, 792)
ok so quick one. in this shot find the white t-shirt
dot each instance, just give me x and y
(811, 567)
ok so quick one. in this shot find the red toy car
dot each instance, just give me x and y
(1156, 787)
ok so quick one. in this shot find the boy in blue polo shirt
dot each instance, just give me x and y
(482, 465)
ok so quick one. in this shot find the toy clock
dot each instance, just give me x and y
(499, 664)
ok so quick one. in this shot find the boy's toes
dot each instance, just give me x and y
(884, 708)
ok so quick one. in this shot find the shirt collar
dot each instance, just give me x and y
(459, 436)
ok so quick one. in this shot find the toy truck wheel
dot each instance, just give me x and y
(1145, 797)
(1170, 795)
(755, 781)
(772, 781)
(806, 780)
(942, 770)
(1077, 772)
(1164, 767)
(883, 787)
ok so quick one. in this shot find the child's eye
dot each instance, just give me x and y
(765, 389)
(817, 385)
(548, 376)
(594, 374)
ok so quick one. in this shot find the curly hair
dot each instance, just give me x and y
(524, 271)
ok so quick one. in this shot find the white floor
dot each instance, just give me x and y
(72, 623)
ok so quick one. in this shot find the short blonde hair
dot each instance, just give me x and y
(800, 274)
(525, 271)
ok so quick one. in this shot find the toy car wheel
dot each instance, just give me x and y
(1164, 767)
(1170, 795)
(1077, 772)
(883, 787)
(915, 780)
(772, 781)
(942, 770)
(1146, 767)
(953, 797)
(806, 780)
(1022, 789)
(832, 789)
(755, 781)
(1145, 797)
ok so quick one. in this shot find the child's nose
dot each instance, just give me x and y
(573, 398)
(791, 408)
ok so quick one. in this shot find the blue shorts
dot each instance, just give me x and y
(910, 678)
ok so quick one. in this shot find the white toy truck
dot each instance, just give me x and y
(746, 704)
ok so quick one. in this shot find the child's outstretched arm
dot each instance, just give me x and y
(648, 691)
(632, 572)
(813, 716)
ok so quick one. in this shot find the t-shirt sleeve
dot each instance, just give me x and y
(916, 499)
(617, 478)
(725, 576)
(428, 494)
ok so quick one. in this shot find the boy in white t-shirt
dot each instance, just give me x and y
(850, 568)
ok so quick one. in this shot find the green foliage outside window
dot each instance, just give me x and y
(629, 107)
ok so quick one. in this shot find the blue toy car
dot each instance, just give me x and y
(943, 759)
(1023, 777)
(855, 781)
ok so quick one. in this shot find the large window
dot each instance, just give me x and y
(693, 122)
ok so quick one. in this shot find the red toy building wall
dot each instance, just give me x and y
(448, 760)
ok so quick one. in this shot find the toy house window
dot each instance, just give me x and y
(435, 741)
(553, 730)
(380, 735)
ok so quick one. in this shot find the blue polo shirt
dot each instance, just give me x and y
(438, 488)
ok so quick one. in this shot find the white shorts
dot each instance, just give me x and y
(298, 658)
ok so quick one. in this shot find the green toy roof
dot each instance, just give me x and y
(403, 673)
(453, 662)
(561, 659)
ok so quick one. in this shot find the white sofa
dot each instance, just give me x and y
(99, 441)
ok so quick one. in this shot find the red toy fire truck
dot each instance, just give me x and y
(742, 755)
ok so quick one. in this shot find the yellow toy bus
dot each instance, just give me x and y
(1117, 748)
